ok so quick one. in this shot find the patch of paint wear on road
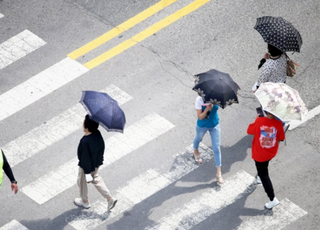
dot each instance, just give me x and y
(18, 47)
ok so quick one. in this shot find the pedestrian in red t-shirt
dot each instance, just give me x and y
(267, 131)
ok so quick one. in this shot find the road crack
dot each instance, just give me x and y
(175, 65)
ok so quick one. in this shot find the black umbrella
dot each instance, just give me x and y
(279, 33)
(217, 88)
(104, 109)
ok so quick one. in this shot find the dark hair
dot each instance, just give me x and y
(90, 124)
(274, 51)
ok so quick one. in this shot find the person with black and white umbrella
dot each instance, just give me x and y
(281, 37)
(274, 66)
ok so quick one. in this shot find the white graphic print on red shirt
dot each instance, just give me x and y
(267, 136)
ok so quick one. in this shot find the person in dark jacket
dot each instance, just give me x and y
(90, 155)
(5, 166)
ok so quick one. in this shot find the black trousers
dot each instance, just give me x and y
(263, 173)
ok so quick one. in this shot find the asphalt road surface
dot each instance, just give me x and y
(145, 54)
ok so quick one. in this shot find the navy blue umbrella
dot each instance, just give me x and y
(104, 109)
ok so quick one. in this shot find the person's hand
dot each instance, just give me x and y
(14, 188)
(209, 107)
(266, 56)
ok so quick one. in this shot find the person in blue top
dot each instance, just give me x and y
(208, 120)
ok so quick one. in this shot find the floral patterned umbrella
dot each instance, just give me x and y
(279, 33)
(217, 88)
(281, 100)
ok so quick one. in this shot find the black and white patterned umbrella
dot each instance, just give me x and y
(217, 88)
(279, 33)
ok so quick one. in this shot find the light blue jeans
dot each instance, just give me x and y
(215, 141)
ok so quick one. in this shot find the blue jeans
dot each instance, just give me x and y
(215, 141)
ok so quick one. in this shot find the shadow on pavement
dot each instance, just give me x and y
(58, 223)
(138, 217)
(230, 216)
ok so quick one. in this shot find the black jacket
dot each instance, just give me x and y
(90, 152)
(7, 168)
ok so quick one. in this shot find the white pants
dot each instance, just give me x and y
(97, 182)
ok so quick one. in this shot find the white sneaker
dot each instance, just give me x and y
(272, 204)
(258, 180)
(111, 203)
(79, 202)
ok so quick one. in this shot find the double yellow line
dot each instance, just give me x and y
(137, 38)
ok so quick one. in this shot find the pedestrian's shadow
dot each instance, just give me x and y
(235, 153)
(231, 217)
(139, 216)
(58, 223)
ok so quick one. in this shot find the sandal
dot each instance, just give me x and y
(197, 158)
(219, 179)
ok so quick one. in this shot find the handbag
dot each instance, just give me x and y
(292, 67)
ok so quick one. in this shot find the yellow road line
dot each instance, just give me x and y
(121, 28)
(145, 34)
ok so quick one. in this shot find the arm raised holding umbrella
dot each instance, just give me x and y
(90, 154)
(103, 110)
(215, 89)
(275, 67)
(208, 121)
(281, 37)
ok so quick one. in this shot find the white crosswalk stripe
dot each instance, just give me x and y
(18, 47)
(1, 15)
(54, 130)
(13, 225)
(119, 145)
(210, 202)
(139, 189)
(284, 214)
(39, 86)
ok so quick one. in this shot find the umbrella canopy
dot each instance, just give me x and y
(279, 33)
(217, 88)
(104, 110)
(281, 100)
